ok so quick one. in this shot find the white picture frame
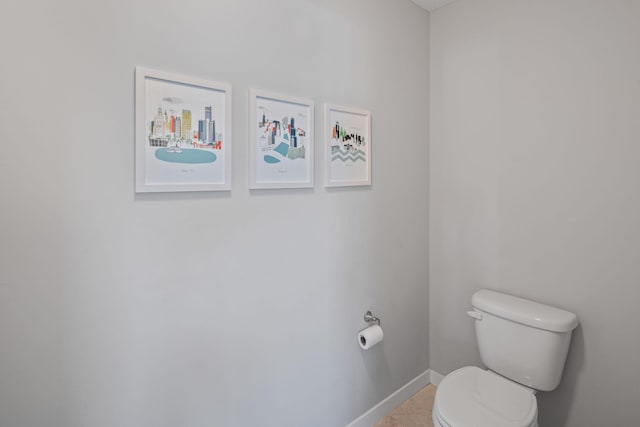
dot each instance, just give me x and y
(280, 154)
(346, 146)
(183, 133)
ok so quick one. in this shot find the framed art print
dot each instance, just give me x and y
(183, 133)
(347, 146)
(281, 141)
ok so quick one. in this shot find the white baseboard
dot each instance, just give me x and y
(376, 413)
(435, 377)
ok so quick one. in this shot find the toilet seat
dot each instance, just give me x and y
(472, 397)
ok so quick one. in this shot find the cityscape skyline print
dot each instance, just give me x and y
(347, 146)
(281, 146)
(185, 127)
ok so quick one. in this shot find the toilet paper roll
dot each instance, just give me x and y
(370, 336)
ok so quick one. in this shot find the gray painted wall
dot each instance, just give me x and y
(206, 309)
(535, 176)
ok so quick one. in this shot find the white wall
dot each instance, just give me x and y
(535, 129)
(205, 309)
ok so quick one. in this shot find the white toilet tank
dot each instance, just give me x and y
(522, 340)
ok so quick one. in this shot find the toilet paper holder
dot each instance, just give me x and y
(369, 317)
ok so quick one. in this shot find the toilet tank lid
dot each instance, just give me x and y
(523, 311)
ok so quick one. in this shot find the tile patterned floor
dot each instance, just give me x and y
(415, 412)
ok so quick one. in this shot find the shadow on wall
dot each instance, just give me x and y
(556, 405)
(377, 365)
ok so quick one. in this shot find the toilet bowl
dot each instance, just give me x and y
(525, 345)
(472, 397)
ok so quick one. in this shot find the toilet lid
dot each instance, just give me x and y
(473, 397)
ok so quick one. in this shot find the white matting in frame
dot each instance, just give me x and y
(183, 133)
(347, 146)
(280, 141)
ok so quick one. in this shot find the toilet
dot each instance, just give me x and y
(524, 345)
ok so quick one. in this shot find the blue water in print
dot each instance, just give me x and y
(283, 149)
(188, 155)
